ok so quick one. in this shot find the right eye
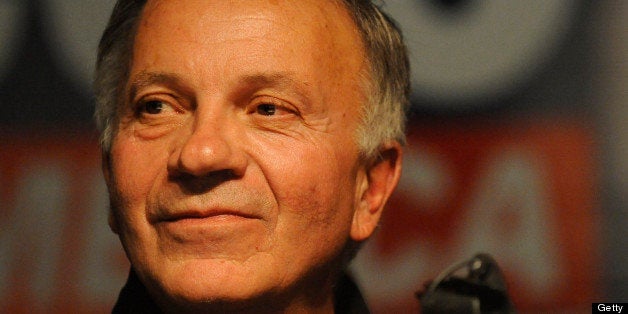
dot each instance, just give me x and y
(154, 115)
(153, 107)
(266, 109)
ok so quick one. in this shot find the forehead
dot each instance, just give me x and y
(324, 23)
(316, 39)
(327, 12)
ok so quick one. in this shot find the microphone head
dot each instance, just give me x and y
(475, 285)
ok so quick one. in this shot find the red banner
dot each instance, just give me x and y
(521, 191)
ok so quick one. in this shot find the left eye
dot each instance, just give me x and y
(153, 107)
(266, 109)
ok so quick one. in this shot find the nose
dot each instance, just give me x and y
(210, 148)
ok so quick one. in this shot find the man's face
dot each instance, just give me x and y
(234, 173)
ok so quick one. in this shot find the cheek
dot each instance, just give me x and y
(311, 182)
(134, 170)
(313, 190)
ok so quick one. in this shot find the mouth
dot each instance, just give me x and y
(192, 227)
(208, 215)
(205, 214)
(208, 232)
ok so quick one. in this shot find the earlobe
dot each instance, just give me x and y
(375, 186)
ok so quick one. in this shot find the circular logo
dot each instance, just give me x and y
(467, 52)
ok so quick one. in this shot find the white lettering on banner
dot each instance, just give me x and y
(390, 279)
(509, 217)
(510, 187)
(426, 179)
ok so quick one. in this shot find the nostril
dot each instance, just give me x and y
(192, 184)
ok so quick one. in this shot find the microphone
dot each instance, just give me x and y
(474, 286)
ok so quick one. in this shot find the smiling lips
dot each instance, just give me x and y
(204, 214)
(198, 229)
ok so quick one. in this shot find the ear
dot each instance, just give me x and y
(374, 186)
(106, 171)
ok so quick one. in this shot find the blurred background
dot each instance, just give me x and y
(518, 147)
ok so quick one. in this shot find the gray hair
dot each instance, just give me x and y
(387, 84)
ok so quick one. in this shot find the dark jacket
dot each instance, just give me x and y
(135, 299)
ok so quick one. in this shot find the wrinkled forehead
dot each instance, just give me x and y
(329, 21)
(318, 36)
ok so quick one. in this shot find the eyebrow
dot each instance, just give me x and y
(272, 79)
(144, 79)
(281, 80)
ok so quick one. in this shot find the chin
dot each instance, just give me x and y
(209, 283)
